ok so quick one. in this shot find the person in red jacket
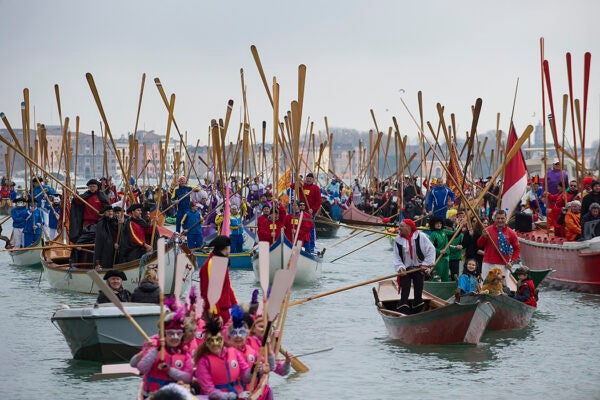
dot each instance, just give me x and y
(269, 225)
(310, 194)
(500, 245)
(221, 247)
(525, 289)
(293, 224)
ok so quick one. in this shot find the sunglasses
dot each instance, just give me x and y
(174, 333)
(239, 332)
(214, 340)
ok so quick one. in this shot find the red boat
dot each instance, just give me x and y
(354, 216)
(439, 323)
(576, 264)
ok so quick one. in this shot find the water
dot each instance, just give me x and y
(555, 357)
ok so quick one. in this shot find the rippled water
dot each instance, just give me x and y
(554, 358)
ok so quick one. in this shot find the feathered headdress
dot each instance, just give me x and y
(212, 326)
(237, 316)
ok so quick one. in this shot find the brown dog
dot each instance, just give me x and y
(493, 282)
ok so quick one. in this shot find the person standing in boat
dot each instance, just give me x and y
(19, 216)
(440, 197)
(470, 236)
(33, 224)
(310, 194)
(412, 250)
(292, 225)
(104, 244)
(439, 238)
(161, 368)
(221, 247)
(500, 245)
(114, 279)
(236, 227)
(525, 287)
(135, 232)
(269, 225)
(554, 176)
(53, 216)
(192, 227)
(83, 218)
(181, 197)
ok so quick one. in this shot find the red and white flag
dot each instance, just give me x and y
(515, 177)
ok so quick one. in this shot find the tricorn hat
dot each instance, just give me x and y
(115, 272)
(133, 207)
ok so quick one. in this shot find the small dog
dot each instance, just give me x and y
(493, 282)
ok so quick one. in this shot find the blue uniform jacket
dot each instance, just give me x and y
(19, 216)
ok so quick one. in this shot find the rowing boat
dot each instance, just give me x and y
(509, 313)
(440, 322)
(28, 257)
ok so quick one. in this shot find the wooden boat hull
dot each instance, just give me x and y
(445, 324)
(354, 216)
(60, 276)
(241, 261)
(326, 229)
(103, 334)
(28, 258)
(576, 265)
(509, 313)
(309, 266)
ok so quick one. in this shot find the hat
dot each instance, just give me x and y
(104, 209)
(269, 194)
(38, 179)
(115, 272)
(594, 205)
(266, 205)
(574, 203)
(31, 200)
(220, 242)
(410, 223)
(174, 320)
(310, 175)
(434, 220)
(117, 208)
(21, 201)
(556, 161)
(182, 179)
(133, 207)
(92, 182)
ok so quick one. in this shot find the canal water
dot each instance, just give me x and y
(556, 357)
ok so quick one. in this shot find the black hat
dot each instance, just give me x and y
(133, 207)
(105, 209)
(117, 208)
(434, 220)
(20, 200)
(310, 175)
(92, 182)
(115, 272)
(38, 179)
(220, 242)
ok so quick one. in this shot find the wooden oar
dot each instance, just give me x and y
(62, 246)
(115, 300)
(304, 300)
(160, 273)
(180, 263)
(112, 371)
(313, 352)
(281, 283)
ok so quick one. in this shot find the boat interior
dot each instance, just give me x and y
(387, 300)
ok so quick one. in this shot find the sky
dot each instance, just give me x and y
(360, 55)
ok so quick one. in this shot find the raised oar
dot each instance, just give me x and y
(317, 296)
(218, 269)
(281, 283)
(115, 300)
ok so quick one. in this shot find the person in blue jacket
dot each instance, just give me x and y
(236, 229)
(54, 216)
(33, 224)
(181, 198)
(13, 192)
(192, 227)
(19, 216)
(439, 198)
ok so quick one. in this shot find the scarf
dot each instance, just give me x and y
(503, 245)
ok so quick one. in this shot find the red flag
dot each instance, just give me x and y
(515, 176)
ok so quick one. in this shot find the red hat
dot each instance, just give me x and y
(410, 223)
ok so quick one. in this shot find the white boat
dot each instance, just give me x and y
(103, 333)
(309, 265)
(26, 257)
(64, 276)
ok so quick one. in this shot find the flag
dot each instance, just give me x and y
(515, 176)
(284, 182)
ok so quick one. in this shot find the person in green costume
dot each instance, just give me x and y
(439, 237)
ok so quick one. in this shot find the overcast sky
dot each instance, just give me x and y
(359, 55)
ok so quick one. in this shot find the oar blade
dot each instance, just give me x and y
(160, 245)
(263, 265)
(179, 269)
(293, 262)
(113, 371)
(218, 270)
(281, 283)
